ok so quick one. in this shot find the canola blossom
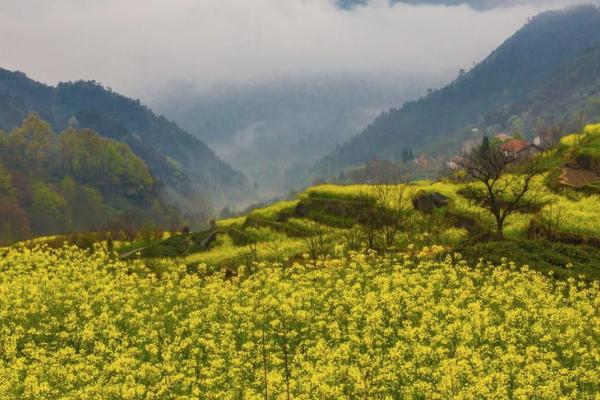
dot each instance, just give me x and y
(80, 325)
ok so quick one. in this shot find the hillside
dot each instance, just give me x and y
(360, 291)
(76, 181)
(179, 160)
(573, 90)
(558, 226)
(527, 59)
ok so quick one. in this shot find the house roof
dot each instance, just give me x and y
(503, 136)
(577, 177)
(515, 146)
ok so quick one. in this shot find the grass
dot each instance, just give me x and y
(338, 192)
(284, 223)
(176, 246)
(562, 260)
(231, 222)
(580, 217)
(275, 211)
(226, 254)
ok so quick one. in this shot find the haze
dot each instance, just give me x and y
(139, 47)
(270, 85)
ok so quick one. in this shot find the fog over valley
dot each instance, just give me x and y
(275, 131)
(140, 46)
(270, 85)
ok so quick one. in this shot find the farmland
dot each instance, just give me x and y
(87, 326)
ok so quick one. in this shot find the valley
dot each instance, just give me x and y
(312, 236)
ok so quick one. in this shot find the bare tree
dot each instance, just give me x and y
(251, 256)
(318, 244)
(384, 212)
(548, 134)
(506, 180)
(353, 238)
(393, 202)
(370, 221)
(552, 219)
(129, 224)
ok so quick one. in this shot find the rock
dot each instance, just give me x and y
(428, 201)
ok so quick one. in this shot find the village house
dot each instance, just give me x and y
(454, 163)
(542, 141)
(503, 137)
(521, 148)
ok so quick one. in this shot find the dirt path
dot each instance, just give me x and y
(131, 252)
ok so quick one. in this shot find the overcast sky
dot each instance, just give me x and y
(138, 47)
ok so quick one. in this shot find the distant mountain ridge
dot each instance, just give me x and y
(181, 161)
(535, 53)
(73, 181)
(275, 131)
(569, 98)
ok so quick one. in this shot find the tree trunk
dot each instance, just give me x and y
(499, 228)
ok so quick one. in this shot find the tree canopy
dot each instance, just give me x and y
(74, 181)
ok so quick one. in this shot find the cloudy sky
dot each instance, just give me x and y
(138, 47)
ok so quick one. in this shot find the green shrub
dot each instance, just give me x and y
(563, 260)
(177, 246)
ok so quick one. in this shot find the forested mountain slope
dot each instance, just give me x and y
(574, 90)
(534, 54)
(75, 181)
(184, 163)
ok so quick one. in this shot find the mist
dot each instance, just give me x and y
(270, 85)
(140, 47)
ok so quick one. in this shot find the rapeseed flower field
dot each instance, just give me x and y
(76, 324)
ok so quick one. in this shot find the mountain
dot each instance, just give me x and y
(274, 130)
(568, 99)
(181, 161)
(76, 181)
(522, 63)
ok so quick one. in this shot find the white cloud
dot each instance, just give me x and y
(139, 46)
